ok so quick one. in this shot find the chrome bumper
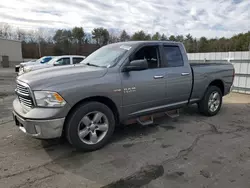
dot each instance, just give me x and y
(43, 129)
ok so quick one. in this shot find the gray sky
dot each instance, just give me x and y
(210, 18)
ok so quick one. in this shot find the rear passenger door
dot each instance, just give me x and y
(178, 75)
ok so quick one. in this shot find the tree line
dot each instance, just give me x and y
(72, 41)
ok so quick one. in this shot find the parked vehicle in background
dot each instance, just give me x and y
(17, 67)
(56, 61)
(116, 83)
(41, 60)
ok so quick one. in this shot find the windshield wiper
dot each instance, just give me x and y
(90, 64)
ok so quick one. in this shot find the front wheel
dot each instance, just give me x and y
(211, 103)
(90, 126)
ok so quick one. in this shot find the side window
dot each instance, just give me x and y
(77, 60)
(173, 56)
(64, 61)
(150, 53)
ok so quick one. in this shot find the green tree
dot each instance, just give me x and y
(113, 38)
(189, 43)
(172, 38)
(140, 35)
(156, 36)
(203, 44)
(62, 35)
(101, 36)
(124, 36)
(179, 38)
(163, 37)
(63, 40)
(241, 41)
(78, 35)
(195, 46)
(148, 37)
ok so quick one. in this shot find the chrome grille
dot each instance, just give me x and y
(22, 90)
(23, 94)
(25, 101)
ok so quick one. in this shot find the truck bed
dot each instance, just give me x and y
(204, 73)
(207, 64)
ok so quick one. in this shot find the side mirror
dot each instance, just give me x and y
(136, 65)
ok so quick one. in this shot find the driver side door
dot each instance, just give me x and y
(144, 90)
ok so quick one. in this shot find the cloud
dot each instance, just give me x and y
(210, 18)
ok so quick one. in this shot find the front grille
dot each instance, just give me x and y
(25, 101)
(22, 90)
(23, 94)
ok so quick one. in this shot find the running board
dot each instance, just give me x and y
(145, 122)
(173, 113)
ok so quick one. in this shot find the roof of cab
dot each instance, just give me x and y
(135, 43)
(70, 56)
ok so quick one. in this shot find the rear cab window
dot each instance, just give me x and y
(173, 56)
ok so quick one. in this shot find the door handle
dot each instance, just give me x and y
(185, 73)
(158, 77)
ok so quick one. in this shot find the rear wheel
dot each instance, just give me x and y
(90, 126)
(211, 103)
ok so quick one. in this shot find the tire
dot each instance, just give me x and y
(81, 122)
(206, 106)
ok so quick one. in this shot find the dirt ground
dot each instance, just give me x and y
(190, 151)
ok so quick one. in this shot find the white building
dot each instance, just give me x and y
(10, 50)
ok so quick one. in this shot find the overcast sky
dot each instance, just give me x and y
(210, 18)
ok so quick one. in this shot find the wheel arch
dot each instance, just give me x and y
(218, 83)
(104, 100)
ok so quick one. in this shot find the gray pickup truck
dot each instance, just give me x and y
(118, 82)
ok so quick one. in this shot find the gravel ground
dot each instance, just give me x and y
(190, 151)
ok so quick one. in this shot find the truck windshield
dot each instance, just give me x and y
(43, 60)
(106, 56)
(46, 59)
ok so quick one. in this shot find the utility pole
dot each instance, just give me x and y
(39, 49)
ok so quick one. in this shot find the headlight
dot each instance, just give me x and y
(27, 69)
(48, 99)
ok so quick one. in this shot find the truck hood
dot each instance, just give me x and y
(28, 63)
(37, 66)
(44, 78)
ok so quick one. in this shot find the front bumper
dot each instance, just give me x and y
(44, 123)
(43, 129)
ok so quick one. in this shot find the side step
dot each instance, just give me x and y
(173, 113)
(148, 120)
(145, 120)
